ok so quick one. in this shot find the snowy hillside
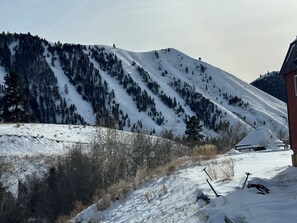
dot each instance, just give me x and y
(32, 148)
(150, 92)
(46, 139)
(29, 149)
(213, 83)
(173, 198)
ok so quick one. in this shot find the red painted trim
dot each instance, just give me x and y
(292, 108)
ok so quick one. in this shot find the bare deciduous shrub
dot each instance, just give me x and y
(227, 168)
(203, 152)
(104, 202)
(7, 202)
(229, 136)
(111, 163)
(223, 170)
(213, 169)
(98, 194)
(119, 190)
(173, 166)
(139, 177)
(170, 170)
(78, 207)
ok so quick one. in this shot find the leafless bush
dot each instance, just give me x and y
(77, 209)
(213, 169)
(223, 170)
(204, 152)
(104, 202)
(109, 164)
(119, 190)
(227, 169)
(7, 201)
(171, 167)
(140, 177)
(230, 136)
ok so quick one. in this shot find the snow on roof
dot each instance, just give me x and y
(260, 137)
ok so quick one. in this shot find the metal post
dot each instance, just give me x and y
(207, 173)
(213, 189)
(247, 176)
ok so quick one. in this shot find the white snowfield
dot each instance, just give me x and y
(173, 198)
(45, 139)
(49, 139)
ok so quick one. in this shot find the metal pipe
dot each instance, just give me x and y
(207, 173)
(247, 176)
(213, 189)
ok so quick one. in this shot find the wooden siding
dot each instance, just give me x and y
(292, 108)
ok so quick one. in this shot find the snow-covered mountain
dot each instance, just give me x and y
(150, 92)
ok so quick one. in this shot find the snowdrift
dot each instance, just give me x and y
(260, 139)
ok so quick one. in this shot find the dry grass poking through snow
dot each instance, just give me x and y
(119, 191)
(218, 168)
(78, 208)
(222, 169)
(203, 152)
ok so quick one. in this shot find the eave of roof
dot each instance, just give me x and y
(290, 62)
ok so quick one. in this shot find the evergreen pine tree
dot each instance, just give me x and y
(193, 131)
(66, 89)
(15, 104)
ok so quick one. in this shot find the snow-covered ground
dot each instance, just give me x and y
(30, 148)
(45, 139)
(173, 198)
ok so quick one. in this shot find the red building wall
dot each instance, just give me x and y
(292, 109)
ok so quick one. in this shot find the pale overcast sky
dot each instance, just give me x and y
(243, 37)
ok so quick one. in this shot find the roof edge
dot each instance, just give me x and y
(283, 69)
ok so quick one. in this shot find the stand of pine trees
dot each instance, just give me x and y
(15, 104)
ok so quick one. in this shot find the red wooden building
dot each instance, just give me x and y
(289, 70)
